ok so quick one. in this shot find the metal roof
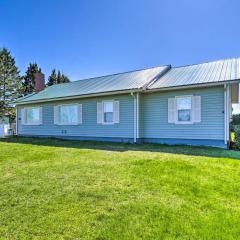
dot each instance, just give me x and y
(110, 83)
(211, 72)
(152, 78)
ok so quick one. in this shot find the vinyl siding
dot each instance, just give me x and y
(89, 126)
(154, 118)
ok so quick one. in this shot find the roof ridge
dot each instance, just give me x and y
(113, 74)
(193, 64)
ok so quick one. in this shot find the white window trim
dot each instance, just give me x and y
(32, 124)
(103, 122)
(66, 124)
(176, 110)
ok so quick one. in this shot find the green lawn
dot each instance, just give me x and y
(53, 189)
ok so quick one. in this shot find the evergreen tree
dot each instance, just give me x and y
(10, 84)
(29, 81)
(52, 79)
(61, 78)
(64, 79)
(57, 77)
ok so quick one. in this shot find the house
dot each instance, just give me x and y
(168, 105)
(5, 126)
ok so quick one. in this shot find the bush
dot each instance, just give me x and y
(237, 135)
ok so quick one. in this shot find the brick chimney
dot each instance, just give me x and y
(39, 81)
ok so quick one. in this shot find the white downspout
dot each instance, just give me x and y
(227, 106)
(16, 120)
(136, 116)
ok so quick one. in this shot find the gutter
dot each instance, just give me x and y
(200, 85)
(79, 96)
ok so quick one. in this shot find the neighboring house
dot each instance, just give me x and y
(168, 105)
(4, 126)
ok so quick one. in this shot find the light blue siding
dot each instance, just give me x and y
(89, 126)
(153, 113)
(154, 118)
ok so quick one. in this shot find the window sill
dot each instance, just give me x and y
(32, 124)
(112, 123)
(185, 123)
(67, 124)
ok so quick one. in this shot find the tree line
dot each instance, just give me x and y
(14, 85)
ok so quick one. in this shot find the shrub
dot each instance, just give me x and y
(237, 135)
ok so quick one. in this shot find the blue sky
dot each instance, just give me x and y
(91, 38)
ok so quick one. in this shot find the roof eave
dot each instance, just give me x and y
(80, 96)
(130, 91)
(212, 84)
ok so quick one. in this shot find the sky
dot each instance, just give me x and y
(93, 38)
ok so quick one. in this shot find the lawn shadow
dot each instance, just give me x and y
(123, 147)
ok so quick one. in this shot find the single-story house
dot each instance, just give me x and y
(168, 105)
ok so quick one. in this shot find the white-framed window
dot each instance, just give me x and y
(68, 114)
(184, 109)
(31, 116)
(108, 112)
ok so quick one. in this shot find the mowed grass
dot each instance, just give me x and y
(53, 189)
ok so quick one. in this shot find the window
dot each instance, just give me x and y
(68, 114)
(184, 109)
(32, 116)
(108, 112)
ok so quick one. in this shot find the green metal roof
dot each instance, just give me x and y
(111, 83)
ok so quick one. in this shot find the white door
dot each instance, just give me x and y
(1, 130)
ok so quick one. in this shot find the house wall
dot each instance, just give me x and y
(154, 118)
(89, 129)
(153, 124)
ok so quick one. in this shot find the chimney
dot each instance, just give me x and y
(39, 81)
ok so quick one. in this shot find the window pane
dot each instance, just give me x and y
(184, 115)
(108, 106)
(108, 117)
(69, 114)
(33, 115)
(108, 112)
(184, 103)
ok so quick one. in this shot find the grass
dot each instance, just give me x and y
(53, 189)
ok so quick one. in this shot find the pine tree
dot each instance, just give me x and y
(10, 84)
(29, 81)
(64, 79)
(52, 79)
(61, 78)
(57, 77)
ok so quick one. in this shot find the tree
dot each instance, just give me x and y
(61, 78)
(57, 77)
(52, 79)
(29, 81)
(10, 84)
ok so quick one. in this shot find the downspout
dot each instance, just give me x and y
(137, 121)
(16, 120)
(136, 116)
(227, 106)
